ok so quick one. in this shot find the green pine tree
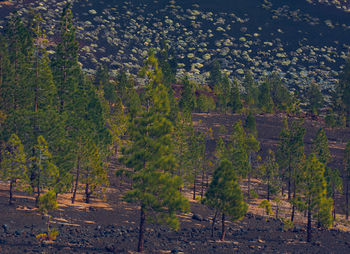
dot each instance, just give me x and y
(314, 191)
(251, 90)
(265, 100)
(13, 164)
(235, 98)
(225, 196)
(65, 65)
(46, 173)
(315, 98)
(270, 174)
(188, 97)
(156, 188)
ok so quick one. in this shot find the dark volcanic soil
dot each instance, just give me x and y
(110, 225)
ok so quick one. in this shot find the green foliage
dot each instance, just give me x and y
(314, 190)
(205, 103)
(224, 193)
(287, 224)
(251, 90)
(158, 193)
(48, 202)
(315, 98)
(321, 148)
(215, 77)
(44, 173)
(250, 124)
(13, 161)
(265, 99)
(151, 155)
(270, 174)
(341, 96)
(265, 204)
(280, 95)
(13, 164)
(330, 119)
(235, 98)
(65, 65)
(237, 150)
(188, 97)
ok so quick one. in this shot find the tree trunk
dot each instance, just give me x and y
(11, 186)
(140, 247)
(38, 187)
(213, 224)
(223, 231)
(194, 188)
(289, 181)
(268, 190)
(249, 185)
(277, 208)
(293, 206)
(76, 181)
(202, 187)
(309, 223)
(347, 200)
(87, 193)
(333, 197)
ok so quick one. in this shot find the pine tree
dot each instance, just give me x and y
(223, 93)
(155, 185)
(265, 99)
(94, 172)
(225, 196)
(283, 153)
(183, 157)
(334, 185)
(252, 147)
(46, 173)
(237, 150)
(215, 77)
(321, 148)
(188, 97)
(197, 151)
(315, 98)
(13, 164)
(65, 65)
(279, 93)
(235, 98)
(250, 124)
(251, 90)
(270, 174)
(314, 190)
(341, 97)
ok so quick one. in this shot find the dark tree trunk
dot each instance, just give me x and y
(309, 224)
(87, 194)
(213, 224)
(202, 185)
(140, 247)
(268, 190)
(223, 230)
(293, 206)
(333, 197)
(38, 187)
(277, 208)
(289, 181)
(76, 182)
(249, 185)
(194, 188)
(11, 187)
(347, 200)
